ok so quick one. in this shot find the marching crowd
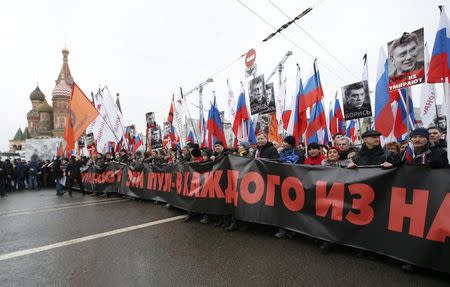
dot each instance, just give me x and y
(425, 147)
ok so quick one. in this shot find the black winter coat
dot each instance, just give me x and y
(267, 151)
(375, 156)
(435, 157)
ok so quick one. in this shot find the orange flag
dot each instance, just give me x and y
(82, 112)
(69, 137)
(274, 136)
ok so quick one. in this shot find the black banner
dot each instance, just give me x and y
(403, 213)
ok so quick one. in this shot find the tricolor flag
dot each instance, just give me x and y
(243, 125)
(317, 125)
(439, 68)
(312, 91)
(337, 122)
(384, 117)
(351, 131)
(404, 99)
(190, 137)
(215, 126)
(297, 119)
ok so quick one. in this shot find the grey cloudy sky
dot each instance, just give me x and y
(146, 50)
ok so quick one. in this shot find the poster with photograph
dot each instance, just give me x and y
(406, 60)
(156, 137)
(150, 119)
(257, 93)
(263, 123)
(356, 99)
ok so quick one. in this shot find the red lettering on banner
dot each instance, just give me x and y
(334, 200)
(365, 212)
(195, 184)
(440, 229)
(168, 182)
(109, 176)
(135, 179)
(258, 182)
(415, 211)
(207, 184)
(160, 177)
(118, 175)
(231, 195)
(179, 183)
(211, 187)
(272, 181)
(217, 189)
(294, 183)
(151, 181)
(185, 185)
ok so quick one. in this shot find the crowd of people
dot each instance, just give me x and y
(426, 147)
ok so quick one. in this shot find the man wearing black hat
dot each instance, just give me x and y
(435, 157)
(372, 153)
(219, 151)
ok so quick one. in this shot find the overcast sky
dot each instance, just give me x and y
(146, 50)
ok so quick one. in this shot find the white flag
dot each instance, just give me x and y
(281, 104)
(231, 102)
(180, 110)
(427, 97)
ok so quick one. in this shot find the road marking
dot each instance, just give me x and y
(59, 205)
(86, 238)
(40, 210)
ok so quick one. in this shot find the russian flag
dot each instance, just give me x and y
(403, 99)
(215, 126)
(384, 117)
(337, 123)
(409, 154)
(317, 125)
(439, 68)
(190, 137)
(351, 131)
(297, 117)
(137, 143)
(312, 91)
(242, 125)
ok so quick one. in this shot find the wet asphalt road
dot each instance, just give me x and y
(168, 254)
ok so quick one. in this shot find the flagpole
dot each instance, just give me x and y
(189, 114)
(446, 102)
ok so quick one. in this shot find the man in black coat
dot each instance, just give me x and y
(372, 153)
(74, 174)
(423, 153)
(265, 148)
(58, 174)
(2, 179)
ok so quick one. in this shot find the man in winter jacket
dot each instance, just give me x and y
(74, 173)
(265, 148)
(289, 153)
(372, 153)
(423, 154)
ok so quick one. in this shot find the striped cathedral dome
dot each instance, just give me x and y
(62, 90)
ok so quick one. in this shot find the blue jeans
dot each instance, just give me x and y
(59, 186)
(32, 181)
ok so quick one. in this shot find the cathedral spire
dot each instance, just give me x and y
(65, 74)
